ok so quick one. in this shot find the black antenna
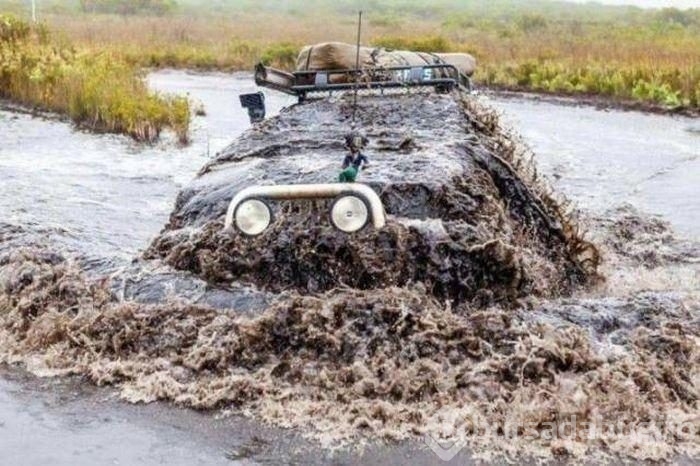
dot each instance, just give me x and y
(357, 70)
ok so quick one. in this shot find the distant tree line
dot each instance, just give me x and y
(128, 7)
(12, 30)
(685, 18)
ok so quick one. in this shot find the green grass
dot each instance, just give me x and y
(672, 88)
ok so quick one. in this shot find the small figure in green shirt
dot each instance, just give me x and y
(355, 160)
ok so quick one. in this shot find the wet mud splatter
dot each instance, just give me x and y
(393, 363)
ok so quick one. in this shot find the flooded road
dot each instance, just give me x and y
(601, 159)
(52, 174)
(55, 422)
(104, 196)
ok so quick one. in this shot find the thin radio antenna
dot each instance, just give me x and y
(357, 70)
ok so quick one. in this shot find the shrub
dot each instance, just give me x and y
(100, 92)
(12, 29)
(530, 23)
(419, 44)
(280, 55)
(128, 7)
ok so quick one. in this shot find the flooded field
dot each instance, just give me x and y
(103, 199)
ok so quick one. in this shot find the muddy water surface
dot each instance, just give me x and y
(105, 197)
(602, 159)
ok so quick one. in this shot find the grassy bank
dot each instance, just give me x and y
(98, 91)
(619, 53)
(660, 67)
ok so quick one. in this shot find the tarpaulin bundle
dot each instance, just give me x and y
(341, 56)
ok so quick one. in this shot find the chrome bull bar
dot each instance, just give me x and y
(254, 197)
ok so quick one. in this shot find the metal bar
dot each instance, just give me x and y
(376, 85)
(378, 68)
(301, 82)
(274, 79)
(357, 71)
(310, 191)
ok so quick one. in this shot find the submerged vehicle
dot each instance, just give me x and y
(325, 68)
(450, 196)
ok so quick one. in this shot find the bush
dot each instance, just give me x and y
(661, 93)
(281, 55)
(128, 7)
(12, 30)
(100, 92)
(419, 44)
(530, 23)
(676, 16)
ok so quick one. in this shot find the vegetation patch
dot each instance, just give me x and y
(622, 53)
(128, 7)
(98, 91)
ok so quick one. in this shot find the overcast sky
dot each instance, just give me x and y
(649, 3)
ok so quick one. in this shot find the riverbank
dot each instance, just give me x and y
(598, 102)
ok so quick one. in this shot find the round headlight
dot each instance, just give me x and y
(349, 213)
(252, 216)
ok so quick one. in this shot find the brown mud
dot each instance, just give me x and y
(6, 105)
(479, 315)
(391, 363)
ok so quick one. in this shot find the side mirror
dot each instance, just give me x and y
(255, 103)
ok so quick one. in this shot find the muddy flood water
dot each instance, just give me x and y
(633, 177)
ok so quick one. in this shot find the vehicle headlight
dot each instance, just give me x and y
(252, 216)
(349, 213)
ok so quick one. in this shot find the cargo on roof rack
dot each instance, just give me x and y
(442, 77)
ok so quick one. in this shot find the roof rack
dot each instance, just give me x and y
(442, 77)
